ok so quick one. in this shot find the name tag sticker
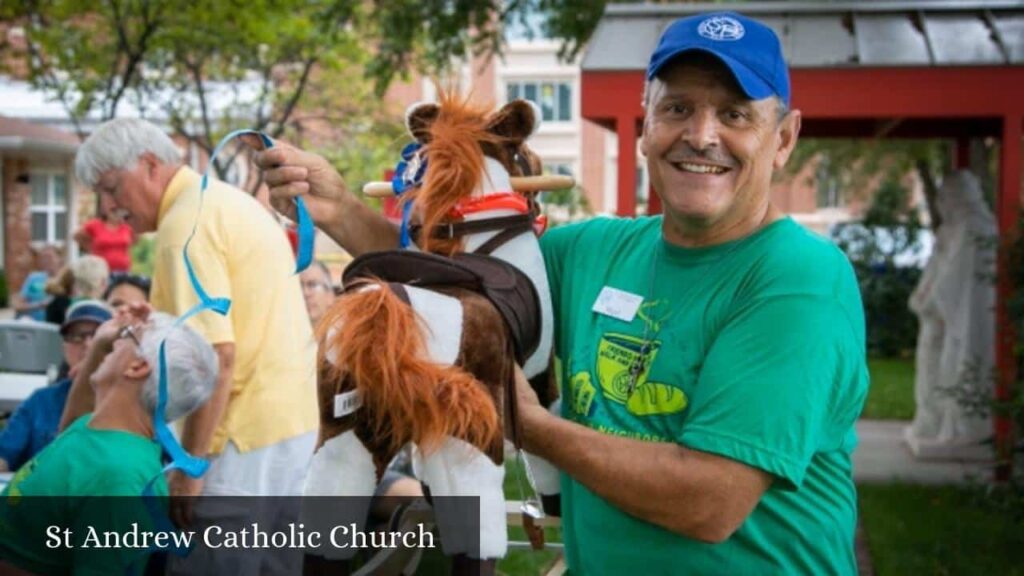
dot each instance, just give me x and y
(617, 304)
(347, 403)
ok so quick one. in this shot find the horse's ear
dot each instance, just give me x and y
(517, 120)
(418, 119)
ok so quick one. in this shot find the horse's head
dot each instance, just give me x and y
(470, 155)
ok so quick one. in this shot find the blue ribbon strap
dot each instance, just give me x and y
(304, 224)
(409, 173)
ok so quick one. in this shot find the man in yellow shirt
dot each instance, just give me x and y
(259, 428)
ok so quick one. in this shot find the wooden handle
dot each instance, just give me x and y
(519, 184)
(542, 182)
(378, 189)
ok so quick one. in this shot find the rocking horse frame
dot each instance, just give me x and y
(450, 397)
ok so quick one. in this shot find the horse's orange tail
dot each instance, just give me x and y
(380, 346)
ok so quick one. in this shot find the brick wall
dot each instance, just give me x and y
(18, 257)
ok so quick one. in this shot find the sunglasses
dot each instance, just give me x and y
(128, 333)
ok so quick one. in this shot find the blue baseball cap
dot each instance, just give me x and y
(86, 310)
(750, 49)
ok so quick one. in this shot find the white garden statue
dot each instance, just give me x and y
(954, 302)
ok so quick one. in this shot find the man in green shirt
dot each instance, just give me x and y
(713, 360)
(108, 453)
(709, 427)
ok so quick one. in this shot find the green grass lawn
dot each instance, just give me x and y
(938, 530)
(891, 396)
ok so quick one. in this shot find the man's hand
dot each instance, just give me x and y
(132, 315)
(182, 489)
(531, 413)
(290, 172)
(80, 398)
(697, 494)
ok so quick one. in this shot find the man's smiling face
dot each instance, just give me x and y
(711, 150)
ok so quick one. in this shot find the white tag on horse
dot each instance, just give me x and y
(347, 403)
(617, 303)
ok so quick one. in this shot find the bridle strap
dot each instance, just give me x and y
(499, 239)
(453, 230)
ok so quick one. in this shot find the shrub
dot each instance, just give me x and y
(142, 255)
(885, 250)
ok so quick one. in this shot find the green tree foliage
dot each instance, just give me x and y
(186, 59)
(890, 228)
(182, 60)
(142, 253)
(428, 35)
(345, 121)
(93, 55)
(855, 163)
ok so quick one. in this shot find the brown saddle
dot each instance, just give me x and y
(507, 287)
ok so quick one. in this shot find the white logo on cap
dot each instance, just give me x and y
(721, 28)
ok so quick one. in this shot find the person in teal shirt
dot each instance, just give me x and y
(712, 359)
(708, 426)
(31, 300)
(106, 453)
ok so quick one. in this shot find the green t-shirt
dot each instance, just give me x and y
(756, 353)
(60, 486)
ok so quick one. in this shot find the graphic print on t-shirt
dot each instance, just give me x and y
(622, 370)
(618, 356)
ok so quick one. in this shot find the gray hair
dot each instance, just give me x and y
(191, 366)
(118, 145)
(90, 274)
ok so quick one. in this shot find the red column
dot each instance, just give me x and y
(1008, 213)
(626, 127)
(962, 154)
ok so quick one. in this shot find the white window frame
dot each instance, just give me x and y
(51, 208)
(539, 83)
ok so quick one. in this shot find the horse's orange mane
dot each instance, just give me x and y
(455, 167)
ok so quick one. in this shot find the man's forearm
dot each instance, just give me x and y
(682, 490)
(199, 427)
(360, 229)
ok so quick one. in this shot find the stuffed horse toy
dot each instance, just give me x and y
(410, 358)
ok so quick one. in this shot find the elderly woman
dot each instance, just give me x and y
(83, 279)
(108, 452)
(91, 275)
